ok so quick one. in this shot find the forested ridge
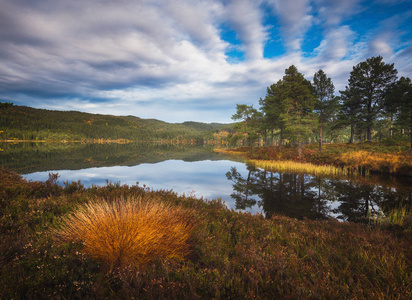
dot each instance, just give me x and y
(27, 123)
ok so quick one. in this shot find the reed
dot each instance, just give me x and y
(378, 162)
(129, 232)
(298, 167)
(394, 217)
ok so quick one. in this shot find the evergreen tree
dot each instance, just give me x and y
(400, 102)
(297, 101)
(348, 114)
(369, 84)
(250, 125)
(272, 108)
(327, 104)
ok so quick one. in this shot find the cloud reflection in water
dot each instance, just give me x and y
(205, 179)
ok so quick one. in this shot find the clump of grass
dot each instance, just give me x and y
(298, 167)
(130, 232)
(394, 217)
(378, 162)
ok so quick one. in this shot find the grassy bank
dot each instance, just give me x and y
(390, 157)
(225, 254)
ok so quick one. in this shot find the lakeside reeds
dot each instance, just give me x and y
(129, 231)
(363, 158)
(298, 167)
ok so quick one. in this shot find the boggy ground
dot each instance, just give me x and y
(377, 157)
(232, 255)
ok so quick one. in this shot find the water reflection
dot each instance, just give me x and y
(305, 196)
(204, 179)
(35, 157)
(197, 170)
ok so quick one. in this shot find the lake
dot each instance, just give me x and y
(195, 170)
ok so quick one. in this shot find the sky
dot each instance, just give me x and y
(187, 60)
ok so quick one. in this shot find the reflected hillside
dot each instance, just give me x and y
(35, 157)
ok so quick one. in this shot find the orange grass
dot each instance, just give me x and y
(297, 167)
(390, 163)
(130, 232)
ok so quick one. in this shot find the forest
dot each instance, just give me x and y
(374, 106)
(26, 123)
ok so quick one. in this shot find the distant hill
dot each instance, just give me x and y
(27, 123)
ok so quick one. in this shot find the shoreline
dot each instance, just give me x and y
(358, 159)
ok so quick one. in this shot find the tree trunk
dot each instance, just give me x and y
(320, 138)
(369, 134)
(281, 137)
(266, 137)
(352, 132)
(300, 149)
(271, 137)
(411, 140)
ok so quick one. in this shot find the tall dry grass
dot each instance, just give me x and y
(387, 162)
(298, 167)
(129, 232)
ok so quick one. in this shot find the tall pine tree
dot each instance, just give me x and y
(327, 103)
(272, 107)
(369, 85)
(297, 102)
(400, 102)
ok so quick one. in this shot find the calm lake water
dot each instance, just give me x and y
(196, 170)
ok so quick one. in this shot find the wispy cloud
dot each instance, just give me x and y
(169, 60)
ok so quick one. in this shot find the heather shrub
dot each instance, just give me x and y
(130, 231)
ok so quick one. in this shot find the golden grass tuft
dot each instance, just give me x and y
(376, 161)
(130, 232)
(298, 167)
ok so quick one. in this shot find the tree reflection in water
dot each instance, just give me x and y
(305, 196)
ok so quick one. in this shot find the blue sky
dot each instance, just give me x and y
(180, 60)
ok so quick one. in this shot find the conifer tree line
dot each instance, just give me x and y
(374, 105)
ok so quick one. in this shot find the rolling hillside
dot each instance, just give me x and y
(27, 123)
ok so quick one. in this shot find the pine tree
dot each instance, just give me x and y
(297, 101)
(400, 102)
(272, 107)
(327, 103)
(250, 125)
(369, 84)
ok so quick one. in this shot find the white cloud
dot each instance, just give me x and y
(381, 46)
(166, 58)
(336, 44)
(246, 18)
(295, 19)
(333, 12)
